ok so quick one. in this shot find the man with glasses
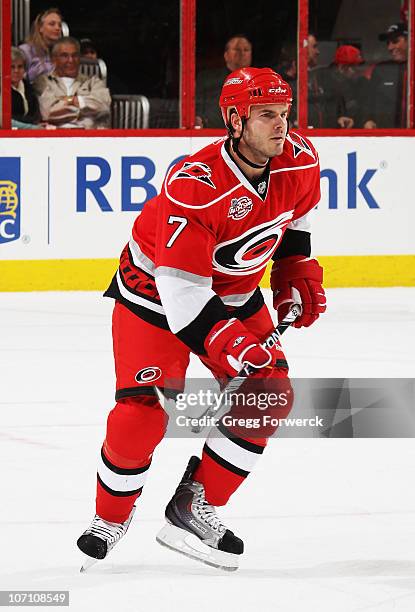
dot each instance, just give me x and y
(69, 99)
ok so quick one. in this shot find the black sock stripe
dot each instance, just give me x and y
(123, 471)
(249, 446)
(225, 464)
(117, 493)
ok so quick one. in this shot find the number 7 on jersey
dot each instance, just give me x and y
(182, 221)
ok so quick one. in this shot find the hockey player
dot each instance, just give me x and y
(188, 282)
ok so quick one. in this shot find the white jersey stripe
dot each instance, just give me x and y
(239, 299)
(183, 299)
(140, 260)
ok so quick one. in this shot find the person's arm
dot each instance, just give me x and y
(54, 107)
(96, 100)
(295, 276)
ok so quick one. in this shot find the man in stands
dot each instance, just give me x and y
(237, 54)
(389, 82)
(188, 282)
(69, 99)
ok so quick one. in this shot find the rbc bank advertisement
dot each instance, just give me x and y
(77, 197)
(9, 199)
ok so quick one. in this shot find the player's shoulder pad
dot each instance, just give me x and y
(298, 153)
(197, 180)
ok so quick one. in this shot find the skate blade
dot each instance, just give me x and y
(88, 562)
(181, 541)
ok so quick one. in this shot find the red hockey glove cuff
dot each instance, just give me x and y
(232, 346)
(298, 279)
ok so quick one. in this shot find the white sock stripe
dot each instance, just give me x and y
(120, 482)
(231, 452)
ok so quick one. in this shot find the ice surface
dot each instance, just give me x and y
(328, 524)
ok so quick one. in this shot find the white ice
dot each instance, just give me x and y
(329, 524)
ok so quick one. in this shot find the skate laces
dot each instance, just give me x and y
(207, 512)
(110, 532)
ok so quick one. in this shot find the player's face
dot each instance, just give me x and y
(265, 131)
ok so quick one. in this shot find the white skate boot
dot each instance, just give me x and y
(100, 537)
(194, 529)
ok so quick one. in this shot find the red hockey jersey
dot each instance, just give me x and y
(198, 250)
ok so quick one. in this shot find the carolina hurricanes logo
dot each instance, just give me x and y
(250, 252)
(240, 207)
(148, 375)
(194, 170)
(299, 145)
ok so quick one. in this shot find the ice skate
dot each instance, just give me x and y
(100, 537)
(194, 529)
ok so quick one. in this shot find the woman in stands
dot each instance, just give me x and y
(46, 30)
(25, 107)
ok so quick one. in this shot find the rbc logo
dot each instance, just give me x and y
(9, 199)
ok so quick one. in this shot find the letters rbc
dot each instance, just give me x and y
(95, 186)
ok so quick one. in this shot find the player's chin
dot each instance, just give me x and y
(277, 147)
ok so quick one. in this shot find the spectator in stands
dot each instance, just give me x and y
(350, 86)
(388, 84)
(313, 51)
(69, 99)
(287, 68)
(46, 30)
(237, 54)
(88, 49)
(25, 107)
(324, 100)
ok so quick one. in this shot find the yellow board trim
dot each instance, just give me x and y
(95, 274)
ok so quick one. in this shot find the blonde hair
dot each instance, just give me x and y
(35, 38)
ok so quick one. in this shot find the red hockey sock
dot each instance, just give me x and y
(225, 465)
(134, 428)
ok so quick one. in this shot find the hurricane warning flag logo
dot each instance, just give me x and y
(194, 170)
(9, 199)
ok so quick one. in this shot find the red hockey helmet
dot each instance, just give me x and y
(248, 86)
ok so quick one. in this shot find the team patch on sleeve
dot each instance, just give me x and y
(194, 170)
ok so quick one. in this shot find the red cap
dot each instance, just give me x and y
(347, 54)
